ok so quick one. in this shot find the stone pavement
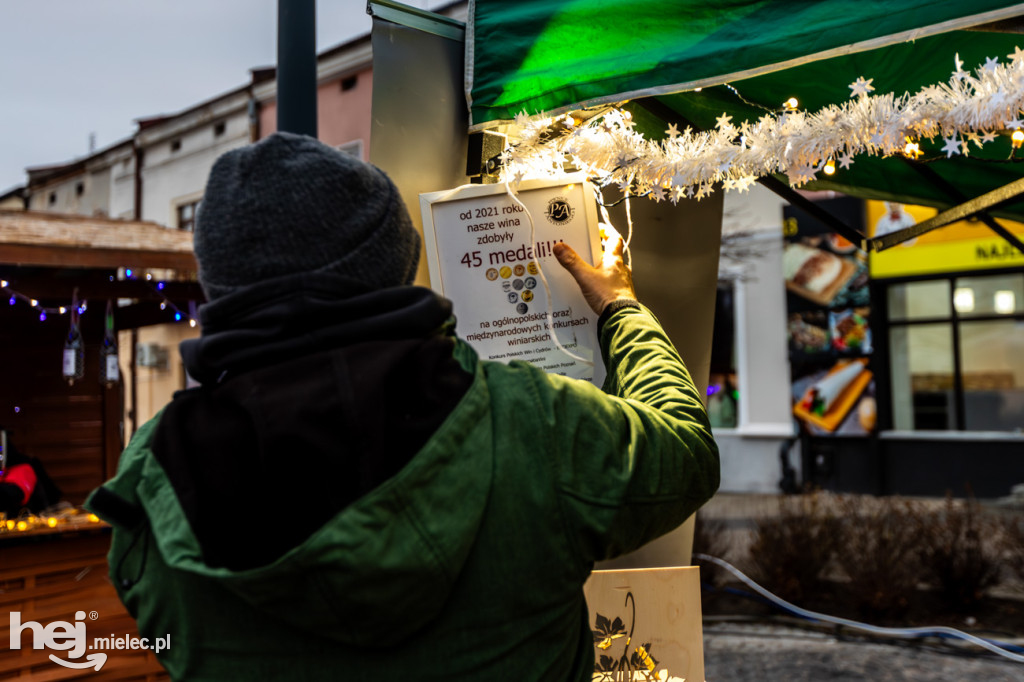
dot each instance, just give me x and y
(758, 652)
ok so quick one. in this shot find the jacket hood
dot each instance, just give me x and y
(382, 565)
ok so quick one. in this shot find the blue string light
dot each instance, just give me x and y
(157, 287)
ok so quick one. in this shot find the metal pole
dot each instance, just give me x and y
(296, 66)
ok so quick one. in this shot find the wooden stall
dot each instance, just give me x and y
(49, 263)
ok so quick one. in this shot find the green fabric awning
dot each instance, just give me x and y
(746, 57)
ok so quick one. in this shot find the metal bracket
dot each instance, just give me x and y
(416, 18)
(927, 173)
(964, 210)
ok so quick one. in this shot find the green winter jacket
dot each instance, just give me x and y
(466, 564)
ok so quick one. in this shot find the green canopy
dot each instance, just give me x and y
(697, 60)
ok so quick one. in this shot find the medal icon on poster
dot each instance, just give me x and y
(530, 282)
(492, 274)
(513, 297)
(527, 295)
(506, 272)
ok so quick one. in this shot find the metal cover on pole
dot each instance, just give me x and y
(296, 66)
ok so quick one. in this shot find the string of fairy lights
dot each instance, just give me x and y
(972, 108)
(74, 347)
(55, 521)
(14, 297)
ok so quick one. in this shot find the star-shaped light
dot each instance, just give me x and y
(988, 136)
(657, 193)
(689, 192)
(724, 122)
(1018, 55)
(673, 131)
(952, 146)
(973, 137)
(730, 184)
(990, 64)
(518, 177)
(800, 175)
(624, 187)
(861, 87)
(1015, 124)
(845, 160)
(522, 119)
(744, 183)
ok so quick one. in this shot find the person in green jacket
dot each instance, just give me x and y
(351, 493)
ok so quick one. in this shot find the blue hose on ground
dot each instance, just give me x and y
(906, 633)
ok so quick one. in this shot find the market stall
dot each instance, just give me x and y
(70, 285)
(903, 102)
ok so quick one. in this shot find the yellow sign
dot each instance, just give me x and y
(960, 246)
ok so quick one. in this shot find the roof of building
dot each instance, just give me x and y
(62, 240)
(42, 174)
(18, 191)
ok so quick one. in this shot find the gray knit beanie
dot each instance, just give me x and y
(290, 204)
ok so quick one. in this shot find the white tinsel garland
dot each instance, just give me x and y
(968, 109)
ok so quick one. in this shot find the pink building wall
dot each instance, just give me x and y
(342, 115)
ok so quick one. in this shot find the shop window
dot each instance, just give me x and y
(922, 377)
(957, 353)
(992, 358)
(187, 215)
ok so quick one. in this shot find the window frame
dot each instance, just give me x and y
(953, 321)
(188, 225)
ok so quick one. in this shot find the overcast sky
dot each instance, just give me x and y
(69, 68)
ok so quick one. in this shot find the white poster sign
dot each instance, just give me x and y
(482, 256)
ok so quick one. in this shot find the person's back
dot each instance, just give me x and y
(351, 491)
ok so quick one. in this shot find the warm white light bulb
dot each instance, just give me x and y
(963, 300)
(830, 167)
(1005, 302)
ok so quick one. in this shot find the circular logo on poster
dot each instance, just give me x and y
(559, 211)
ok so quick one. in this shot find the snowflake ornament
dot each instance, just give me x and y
(861, 87)
(952, 146)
